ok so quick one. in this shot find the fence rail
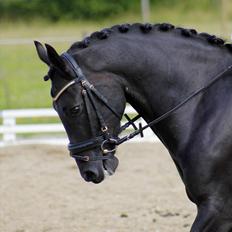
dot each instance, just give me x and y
(9, 128)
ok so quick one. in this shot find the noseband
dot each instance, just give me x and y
(90, 93)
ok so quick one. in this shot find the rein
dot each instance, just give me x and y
(107, 142)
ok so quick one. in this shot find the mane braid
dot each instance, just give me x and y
(166, 27)
(105, 33)
(186, 32)
(193, 31)
(124, 28)
(146, 28)
(214, 40)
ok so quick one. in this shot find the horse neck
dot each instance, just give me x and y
(160, 72)
(157, 80)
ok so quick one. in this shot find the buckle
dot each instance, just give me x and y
(108, 142)
(104, 129)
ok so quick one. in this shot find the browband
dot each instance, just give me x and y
(63, 89)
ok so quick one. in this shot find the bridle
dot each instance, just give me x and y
(90, 93)
(106, 139)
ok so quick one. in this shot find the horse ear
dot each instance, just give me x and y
(42, 53)
(54, 57)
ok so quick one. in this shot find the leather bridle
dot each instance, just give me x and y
(106, 139)
(90, 93)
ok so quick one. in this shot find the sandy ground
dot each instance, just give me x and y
(41, 191)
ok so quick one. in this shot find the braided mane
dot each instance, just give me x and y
(146, 28)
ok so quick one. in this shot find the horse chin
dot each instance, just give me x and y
(110, 166)
(107, 174)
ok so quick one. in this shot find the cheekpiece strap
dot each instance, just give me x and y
(75, 67)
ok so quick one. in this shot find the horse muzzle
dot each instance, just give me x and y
(96, 172)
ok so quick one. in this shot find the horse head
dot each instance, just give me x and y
(90, 107)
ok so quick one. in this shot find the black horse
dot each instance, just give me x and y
(155, 68)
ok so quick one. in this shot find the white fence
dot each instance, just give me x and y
(9, 128)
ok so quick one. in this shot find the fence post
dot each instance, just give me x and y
(145, 8)
(8, 122)
(224, 18)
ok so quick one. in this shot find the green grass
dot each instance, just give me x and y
(21, 72)
(21, 75)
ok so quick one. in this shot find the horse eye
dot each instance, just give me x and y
(75, 110)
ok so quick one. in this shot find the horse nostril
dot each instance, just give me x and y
(90, 176)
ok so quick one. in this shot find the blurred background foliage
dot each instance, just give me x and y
(61, 22)
(62, 9)
(65, 10)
